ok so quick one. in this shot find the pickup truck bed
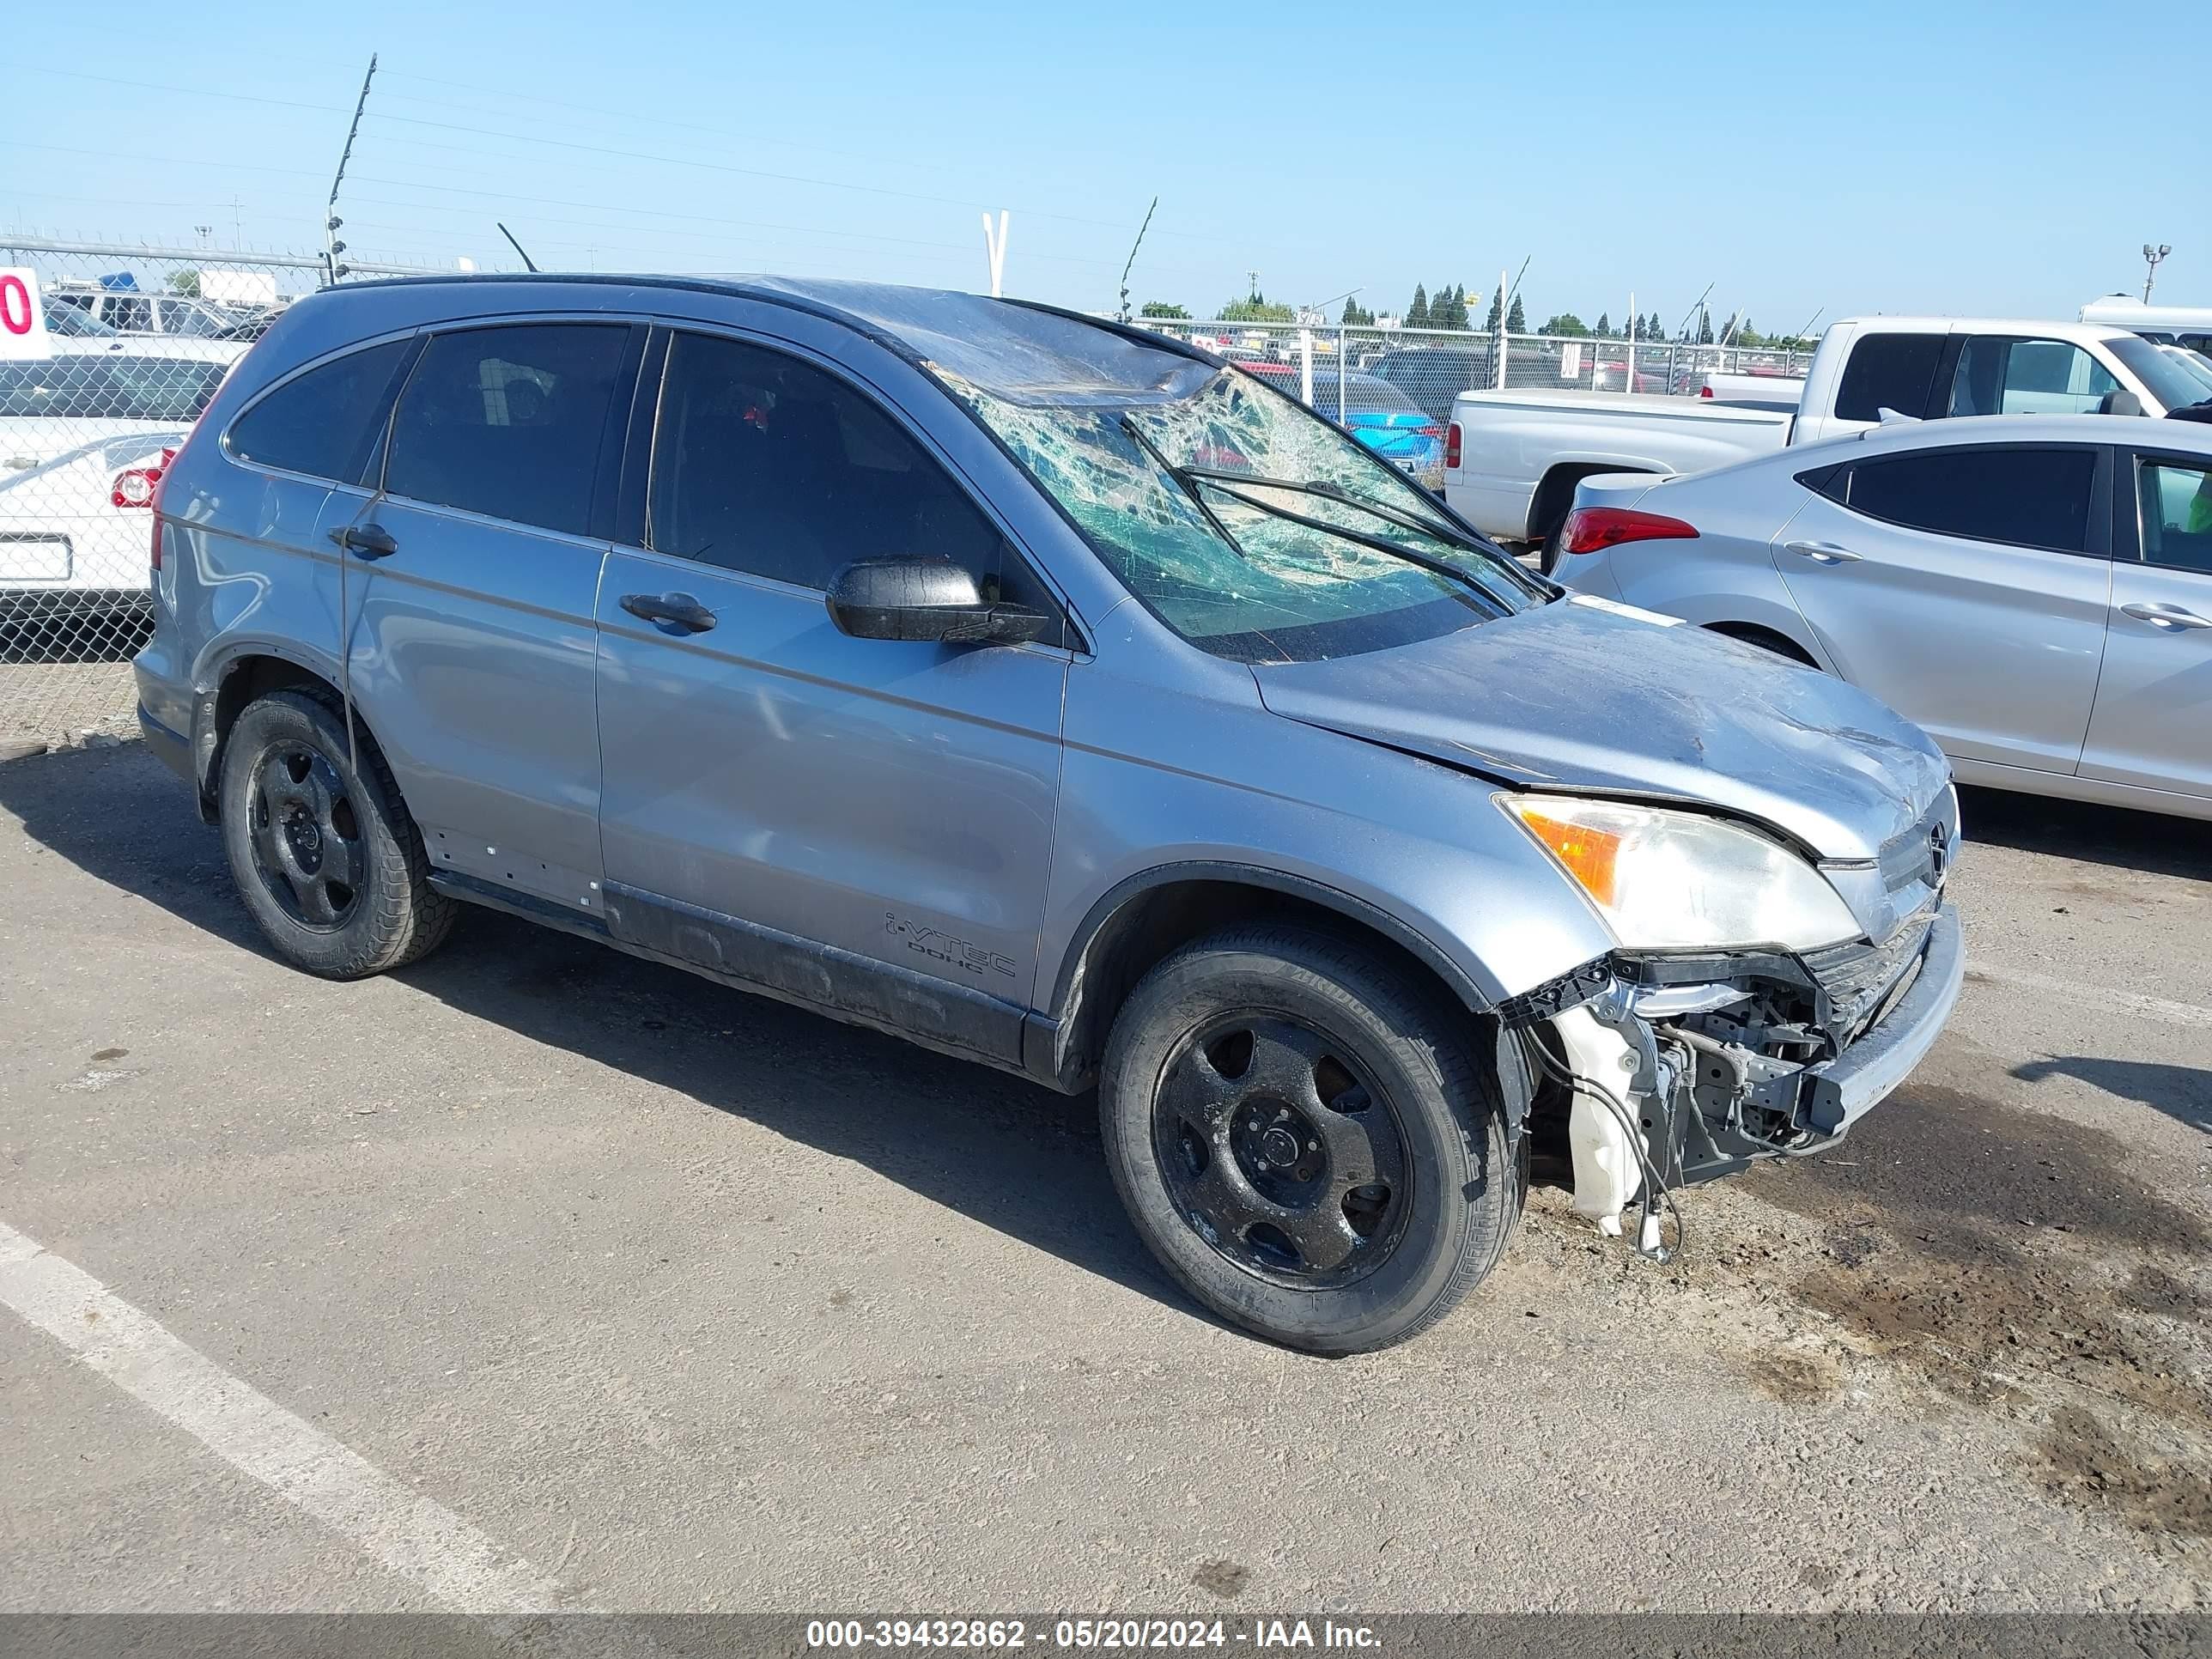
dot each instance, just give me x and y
(1522, 452)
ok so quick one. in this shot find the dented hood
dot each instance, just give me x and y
(1584, 695)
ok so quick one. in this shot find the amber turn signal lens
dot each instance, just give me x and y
(1592, 856)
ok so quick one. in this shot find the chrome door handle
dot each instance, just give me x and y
(679, 611)
(2171, 617)
(1823, 552)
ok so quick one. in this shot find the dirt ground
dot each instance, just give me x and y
(691, 1301)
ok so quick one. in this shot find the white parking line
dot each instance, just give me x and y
(2099, 996)
(421, 1541)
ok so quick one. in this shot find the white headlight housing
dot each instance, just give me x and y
(1665, 880)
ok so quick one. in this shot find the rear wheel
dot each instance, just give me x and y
(1309, 1139)
(322, 852)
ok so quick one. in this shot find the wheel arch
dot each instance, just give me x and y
(1555, 491)
(1767, 639)
(1140, 921)
(235, 680)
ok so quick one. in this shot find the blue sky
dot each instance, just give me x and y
(2008, 160)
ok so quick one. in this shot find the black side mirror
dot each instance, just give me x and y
(928, 599)
(2120, 403)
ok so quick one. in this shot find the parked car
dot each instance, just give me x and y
(2190, 326)
(133, 311)
(2035, 592)
(1433, 376)
(1382, 417)
(79, 433)
(73, 322)
(1042, 690)
(1522, 453)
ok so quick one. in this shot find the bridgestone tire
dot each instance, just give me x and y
(395, 916)
(1447, 1075)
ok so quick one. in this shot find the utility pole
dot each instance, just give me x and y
(1131, 264)
(331, 246)
(2151, 257)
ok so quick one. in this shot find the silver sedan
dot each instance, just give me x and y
(2034, 591)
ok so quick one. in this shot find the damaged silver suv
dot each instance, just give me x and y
(1054, 695)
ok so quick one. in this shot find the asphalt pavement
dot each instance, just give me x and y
(536, 1275)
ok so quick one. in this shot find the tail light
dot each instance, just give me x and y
(1430, 430)
(141, 486)
(1592, 529)
(1451, 445)
(1704, 392)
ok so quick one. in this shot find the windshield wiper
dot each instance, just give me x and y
(1330, 490)
(1428, 561)
(1188, 484)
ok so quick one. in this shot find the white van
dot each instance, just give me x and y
(2188, 326)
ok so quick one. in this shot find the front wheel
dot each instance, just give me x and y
(1310, 1140)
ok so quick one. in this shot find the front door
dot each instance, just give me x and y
(2152, 727)
(863, 825)
(1965, 587)
(472, 581)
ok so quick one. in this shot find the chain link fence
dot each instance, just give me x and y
(1343, 370)
(128, 346)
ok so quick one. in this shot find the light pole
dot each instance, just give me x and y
(2151, 257)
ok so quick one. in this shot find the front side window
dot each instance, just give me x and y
(2177, 515)
(324, 422)
(768, 465)
(2027, 497)
(131, 316)
(2000, 376)
(1247, 523)
(2172, 383)
(1888, 371)
(508, 422)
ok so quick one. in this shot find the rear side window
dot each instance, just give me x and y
(766, 465)
(507, 421)
(2001, 376)
(2027, 497)
(1888, 371)
(324, 422)
(2177, 515)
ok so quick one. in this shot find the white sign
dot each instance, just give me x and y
(1570, 359)
(238, 287)
(22, 318)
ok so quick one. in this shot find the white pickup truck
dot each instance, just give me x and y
(1512, 458)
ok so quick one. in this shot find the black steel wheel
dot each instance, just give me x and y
(1280, 1152)
(324, 854)
(305, 836)
(1309, 1135)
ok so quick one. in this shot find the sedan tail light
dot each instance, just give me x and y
(1592, 529)
(141, 486)
(1451, 446)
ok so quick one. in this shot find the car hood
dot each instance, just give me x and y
(1586, 694)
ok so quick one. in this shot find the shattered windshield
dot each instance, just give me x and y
(1235, 515)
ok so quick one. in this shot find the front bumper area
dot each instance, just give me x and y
(1844, 1089)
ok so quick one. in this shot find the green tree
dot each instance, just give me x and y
(185, 282)
(1417, 314)
(1516, 321)
(1705, 326)
(1568, 324)
(1163, 308)
(1256, 310)
(1489, 323)
(1356, 315)
(1604, 325)
(1654, 328)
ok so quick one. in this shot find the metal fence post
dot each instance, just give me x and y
(1343, 368)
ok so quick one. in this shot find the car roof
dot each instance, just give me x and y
(1015, 349)
(2143, 430)
(2044, 328)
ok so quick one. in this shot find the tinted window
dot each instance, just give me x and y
(324, 422)
(507, 421)
(2029, 497)
(2177, 516)
(766, 465)
(1998, 376)
(1888, 371)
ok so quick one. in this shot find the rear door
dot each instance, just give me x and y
(1965, 585)
(472, 579)
(2153, 726)
(864, 823)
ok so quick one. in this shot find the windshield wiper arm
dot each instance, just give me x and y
(1333, 491)
(1428, 561)
(1188, 482)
